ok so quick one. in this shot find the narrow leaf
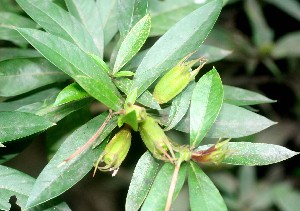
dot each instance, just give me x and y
(76, 64)
(254, 154)
(285, 46)
(243, 97)
(206, 103)
(141, 182)
(130, 12)
(180, 106)
(157, 197)
(18, 76)
(291, 7)
(59, 22)
(87, 13)
(17, 53)
(73, 92)
(132, 42)
(24, 124)
(211, 53)
(203, 193)
(54, 180)
(170, 49)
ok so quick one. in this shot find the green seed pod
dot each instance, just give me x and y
(116, 150)
(154, 137)
(174, 81)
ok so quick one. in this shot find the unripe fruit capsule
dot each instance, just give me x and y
(174, 81)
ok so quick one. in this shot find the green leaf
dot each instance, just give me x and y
(203, 193)
(180, 106)
(262, 33)
(17, 53)
(16, 183)
(54, 180)
(141, 182)
(87, 13)
(243, 97)
(18, 76)
(146, 99)
(157, 197)
(100, 63)
(163, 13)
(73, 92)
(170, 49)
(232, 122)
(129, 119)
(285, 46)
(254, 154)
(109, 15)
(7, 32)
(130, 12)
(15, 125)
(211, 53)
(124, 74)
(206, 103)
(59, 22)
(291, 7)
(132, 42)
(9, 6)
(76, 64)
(286, 198)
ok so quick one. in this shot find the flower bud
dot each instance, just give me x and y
(154, 137)
(115, 151)
(174, 81)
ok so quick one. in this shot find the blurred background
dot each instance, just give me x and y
(263, 37)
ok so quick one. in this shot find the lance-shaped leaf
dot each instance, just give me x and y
(59, 22)
(146, 99)
(54, 180)
(74, 62)
(206, 103)
(143, 176)
(211, 53)
(87, 13)
(180, 106)
(291, 7)
(170, 49)
(18, 184)
(243, 97)
(73, 92)
(132, 42)
(203, 193)
(108, 10)
(7, 32)
(17, 53)
(130, 12)
(285, 46)
(24, 124)
(232, 122)
(157, 197)
(254, 154)
(18, 76)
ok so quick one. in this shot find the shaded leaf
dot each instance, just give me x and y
(17, 53)
(7, 32)
(254, 154)
(243, 97)
(203, 193)
(132, 42)
(54, 180)
(59, 22)
(180, 106)
(130, 12)
(24, 124)
(286, 198)
(18, 76)
(211, 53)
(291, 7)
(170, 49)
(76, 64)
(73, 92)
(206, 103)
(146, 99)
(87, 13)
(108, 10)
(285, 46)
(141, 182)
(157, 197)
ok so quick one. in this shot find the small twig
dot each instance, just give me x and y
(173, 185)
(91, 140)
